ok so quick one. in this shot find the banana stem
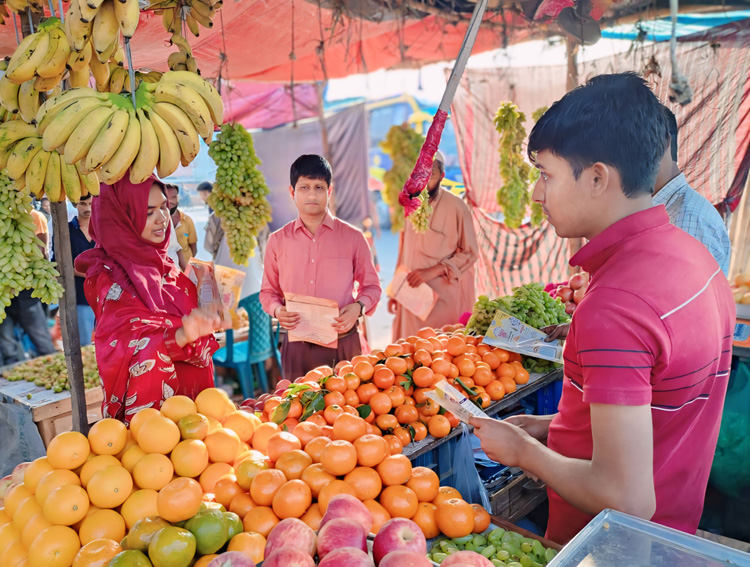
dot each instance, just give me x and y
(131, 71)
(62, 12)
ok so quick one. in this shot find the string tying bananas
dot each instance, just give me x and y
(239, 195)
(22, 263)
(402, 143)
(197, 14)
(102, 132)
(41, 56)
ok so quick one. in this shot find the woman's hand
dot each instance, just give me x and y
(196, 325)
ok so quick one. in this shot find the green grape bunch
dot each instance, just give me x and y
(420, 219)
(239, 197)
(403, 144)
(22, 262)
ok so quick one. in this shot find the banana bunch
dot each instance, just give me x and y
(39, 171)
(101, 22)
(183, 59)
(103, 133)
(119, 79)
(3, 13)
(23, 100)
(197, 13)
(22, 263)
(41, 56)
(20, 6)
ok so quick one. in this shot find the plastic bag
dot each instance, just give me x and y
(466, 477)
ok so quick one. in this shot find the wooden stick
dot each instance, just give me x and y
(69, 317)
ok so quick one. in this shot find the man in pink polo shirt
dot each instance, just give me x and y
(648, 355)
(320, 256)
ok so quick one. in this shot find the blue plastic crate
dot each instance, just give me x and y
(545, 400)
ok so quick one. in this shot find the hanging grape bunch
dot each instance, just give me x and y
(239, 195)
(22, 263)
(402, 143)
(420, 219)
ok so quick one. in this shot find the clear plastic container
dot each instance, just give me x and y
(613, 539)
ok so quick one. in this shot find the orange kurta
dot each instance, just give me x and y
(451, 241)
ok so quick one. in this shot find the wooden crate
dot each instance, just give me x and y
(52, 412)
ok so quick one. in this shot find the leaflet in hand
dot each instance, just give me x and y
(317, 317)
(419, 300)
(448, 397)
(509, 333)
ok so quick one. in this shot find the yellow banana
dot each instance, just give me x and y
(87, 12)
(43, 85)
(117, 79)
(52, 181)
(85, 133)
(127, 13)
(59, 52)
(107, 141)
(78, 30)
(181, 43)
(89, 182)
(9, 94)
(80, 59)
(61, 126)
(28, 102)
(192, 65)
(169, 147)
(183, 129)
(192, 24)
(36, 172)
(94, 4)
(205, 12)
(118, 164)
(190, 102)
(21, 155)
(54, 104)
(13, 131)
(24, 63)
(176, 58)
(80, 78)
(70, 181)
(148, 154)
(169, 20)
(100, 71)
(106, 28)
(205, 89)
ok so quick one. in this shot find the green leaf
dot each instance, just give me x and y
(307, 397)
(412, 432)
(295, 389)
(281, 412)
(364, 411)
(407, 383)
(324, 379)
(318, 402)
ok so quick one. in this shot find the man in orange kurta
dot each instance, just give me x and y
(443, 257)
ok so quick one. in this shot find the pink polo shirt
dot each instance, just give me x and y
(655, 327)
(325, 265)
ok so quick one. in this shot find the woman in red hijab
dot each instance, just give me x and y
(152, 342)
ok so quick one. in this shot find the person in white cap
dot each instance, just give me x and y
(443, 258)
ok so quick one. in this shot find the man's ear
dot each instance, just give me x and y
(330, 189)
(599, 178)
(291, 192)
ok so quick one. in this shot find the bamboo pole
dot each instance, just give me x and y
(571, 49)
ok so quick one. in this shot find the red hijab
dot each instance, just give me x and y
(118, 217)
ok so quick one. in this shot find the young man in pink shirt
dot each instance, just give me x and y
(648, 355)
(321, 256)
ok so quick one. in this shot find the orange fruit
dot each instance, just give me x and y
(140, 418)
(439, 426)
(394, 469)
(332, 489)
(9, 535)
(352, 382)
(292, 500)
(102, 524)
(335, 384)
(212, 474)
(395, 446)
(420, 431)
(96, 553)
(484, 399)
(366, 391)
(332, 412)
(315, 447)
(306, 432)
(131, 457)
(226, 490)
(397, 365)
(180, 500)
(403, 435)
(54, 547)
(316, 477)
(446, 493)
(381, 403)
(335, 398)
(108, 436)
(509, 384)
(280, 443)
(430, 408)
(32, 528)
(371, 450)
(153, 471)
(455, 518)
(265, 485)
(34, 473)
(426, 519)
(248, 468)
(27, 510)
(214, 402)
(110, 487)
(94, 465)
(313, 517)
(68, 450)
(379, 515)
(483, 376)
(506, 369)
(66, 505)
(423, 377)
(339, 457)
(466, 367)
(384, 377)
(223, 446)
(394, 349)
(49, 482)
(177, 407)
(293, 463)
(522, 376)
(251, 544)
(262, 434)
(261, 521)
(482, 519)
(455, 346)
(349, 428)
(140, 504)
(193, 426)
(366, 482)
(15, 555)
(158, 435)
(425, 483)
(205, 560)
(386, 421)
(397, 395)
(400, 501)
(189, 457)
(495, 390)
(440, 366)
(363, 370)
(242, 504)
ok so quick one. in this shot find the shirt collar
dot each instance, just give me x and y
(599, 248)
(670, 188)
(328, 221)
(75, 223)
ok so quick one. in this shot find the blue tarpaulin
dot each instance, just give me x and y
(687, 24)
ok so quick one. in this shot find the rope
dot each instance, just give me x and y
(293, 57)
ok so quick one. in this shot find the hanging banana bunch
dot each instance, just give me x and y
(20, 6)
(41, 57)
(100, 22)
(197, 14)
(183, 59)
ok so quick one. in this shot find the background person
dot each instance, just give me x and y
(183, 224)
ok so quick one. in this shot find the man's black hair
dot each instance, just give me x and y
(206, 186)
(86, 198)
(672, 126)
(171, 186)
(311, 166)
(613, 119)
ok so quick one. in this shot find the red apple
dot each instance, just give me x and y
(403, 558)
(291, 533)
(283, 384)
(347, 557)
(288, 557)
(347, 506)
(470, 558)
(5, 483)
(18, 472)
(341, 532)
(232, 559)
(397, 534)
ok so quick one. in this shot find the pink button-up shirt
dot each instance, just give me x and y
(325, 265)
